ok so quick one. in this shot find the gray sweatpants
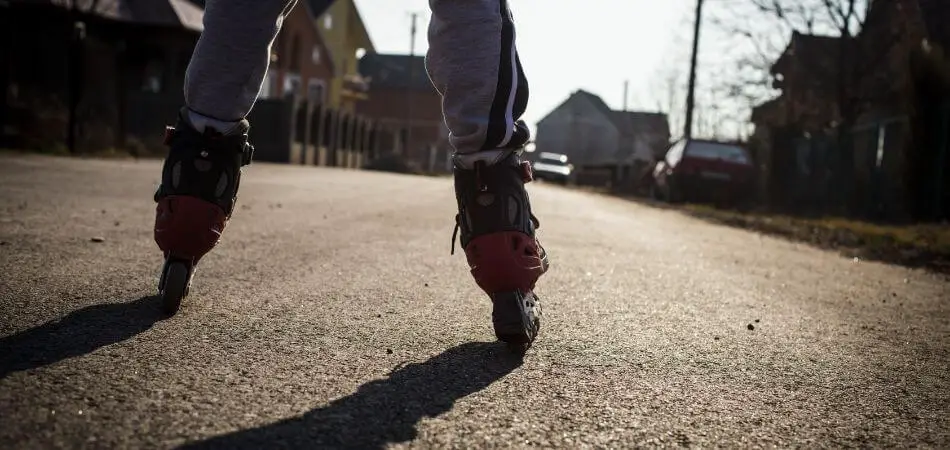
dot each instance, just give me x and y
(472, 62)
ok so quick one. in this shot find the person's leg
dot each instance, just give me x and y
(208, 146)
(473, 63)
(231, 59)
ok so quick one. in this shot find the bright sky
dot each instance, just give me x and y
(565, 47)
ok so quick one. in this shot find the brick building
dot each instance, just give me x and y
(300, 60)
(121, 62)
(402, 94)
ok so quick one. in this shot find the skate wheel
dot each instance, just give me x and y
(517, 319)
(519, 348)
(174, 286)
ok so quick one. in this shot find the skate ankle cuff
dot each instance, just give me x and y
(467, 161)
(492, 199)
(246, 148)
(201, 122)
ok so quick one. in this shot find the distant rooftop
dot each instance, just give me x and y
(393, 71)
(319, 6)
(171, 13)
(630, 122)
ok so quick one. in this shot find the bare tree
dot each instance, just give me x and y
(668, 93)
(763, 29)
(847, 78)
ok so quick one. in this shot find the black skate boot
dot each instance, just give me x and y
(498, 236)
(200, 180)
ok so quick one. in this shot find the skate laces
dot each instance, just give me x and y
(482, 187)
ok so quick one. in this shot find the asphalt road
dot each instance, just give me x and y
(333, 315)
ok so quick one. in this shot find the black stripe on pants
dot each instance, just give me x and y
(505, 130)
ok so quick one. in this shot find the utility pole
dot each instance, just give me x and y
(626, 87)
(691, 95)
(410, 82)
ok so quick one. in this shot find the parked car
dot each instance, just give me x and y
(552, 167)
(704, 170)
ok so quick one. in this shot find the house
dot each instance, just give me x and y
(123, 63)
(347, 39)
(808, 72)
(597, 139)
(301, 63)
(889, 85)
(105, 61)
(402, 98)
(907, 172)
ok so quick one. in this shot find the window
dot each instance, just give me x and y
(291, 85)
(711, 150)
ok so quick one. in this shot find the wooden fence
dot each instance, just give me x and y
(295, 131)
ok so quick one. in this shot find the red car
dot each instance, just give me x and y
(699, 170)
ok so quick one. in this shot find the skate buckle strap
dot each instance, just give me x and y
(527, 172)
(247, 149)
(482, 187)
(247, 154)
(527, 176)
(167, 138)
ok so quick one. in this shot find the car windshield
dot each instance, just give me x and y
(712, 150)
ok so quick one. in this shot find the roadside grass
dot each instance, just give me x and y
(917, 245)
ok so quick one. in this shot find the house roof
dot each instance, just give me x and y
(393, 71)
(814, 52)
(597, 102)
(630, 122)
(319, 6)
(818, 57)
(638, 122)
(762, 112)
(171, 13)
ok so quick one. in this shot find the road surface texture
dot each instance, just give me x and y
(332, 315)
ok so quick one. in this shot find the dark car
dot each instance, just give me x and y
(704, 170)
(552, 167)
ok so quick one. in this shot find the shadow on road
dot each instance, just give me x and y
(81, 332)
(384, 411)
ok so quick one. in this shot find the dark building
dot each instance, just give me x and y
(401, 97)
(118, 64)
